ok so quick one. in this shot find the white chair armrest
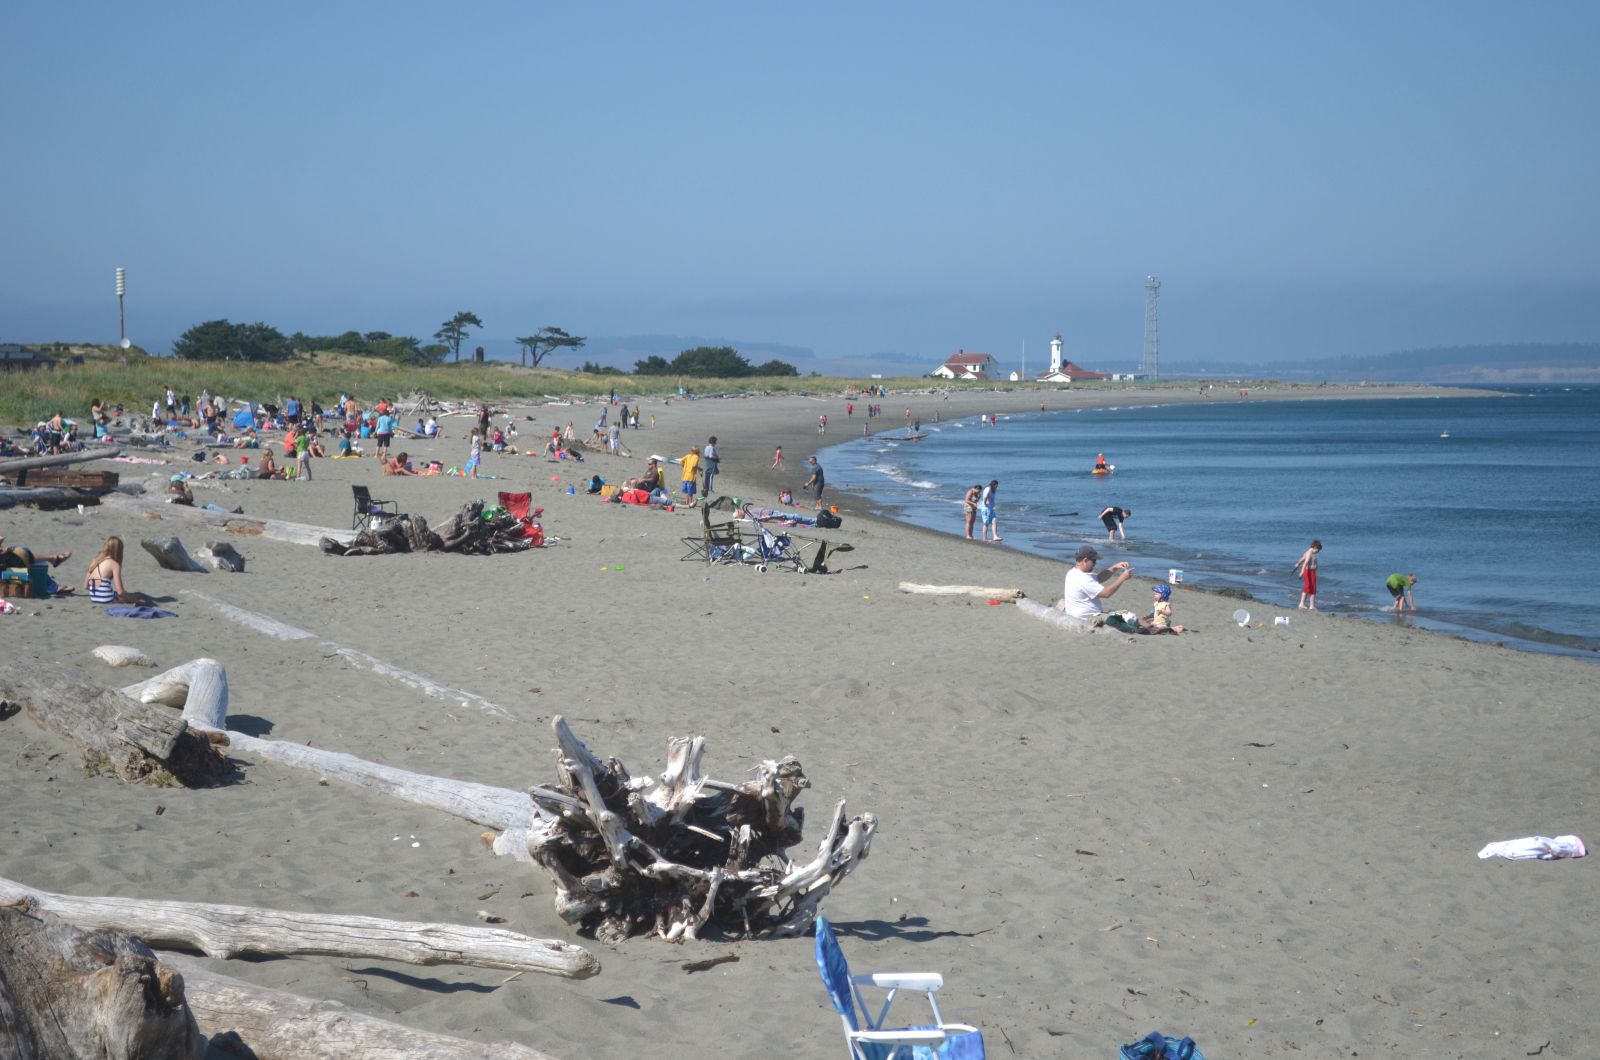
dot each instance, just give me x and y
(901, 980)
(900, 1037)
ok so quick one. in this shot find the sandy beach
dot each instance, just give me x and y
(1261, 837)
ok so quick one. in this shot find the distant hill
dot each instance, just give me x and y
(1573, 362)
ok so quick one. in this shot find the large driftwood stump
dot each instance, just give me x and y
(115, 733)
(686, 855)
(69, 994)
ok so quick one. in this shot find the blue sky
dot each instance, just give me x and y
(854, 178)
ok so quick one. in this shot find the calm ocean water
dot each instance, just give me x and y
(1500, 520)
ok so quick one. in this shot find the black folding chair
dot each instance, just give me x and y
(366, 507)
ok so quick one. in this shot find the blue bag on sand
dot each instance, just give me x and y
(1157, 1046)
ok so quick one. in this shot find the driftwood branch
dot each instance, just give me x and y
(272, 1025)
(171, 555)
(230, 930)
(69, 994)
(961, 590)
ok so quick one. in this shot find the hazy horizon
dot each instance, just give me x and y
(852, 181)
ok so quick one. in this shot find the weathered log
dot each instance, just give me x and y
(27, 463)
(961, 590)
(1054, 616)
(199, 687)
(70, 994)
(230, 930)
(222, 556)
(53, 495)
(54, 476)
(244, 526)
(170, 554)
(115, 733)
(272, 1025)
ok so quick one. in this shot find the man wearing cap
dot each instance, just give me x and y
(1085, 589)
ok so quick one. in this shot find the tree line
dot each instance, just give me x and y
(224, 340)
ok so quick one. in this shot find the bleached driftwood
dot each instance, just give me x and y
(243, 525)
(230, 930)
(626, 855)
(70, 994)
(199, 686)
(273, 1025)
(283, 631)
(114, 732)
(222, 556)
(170, 554)
(1055, 617)
(629, 856)
(961, 590)
(120, 655)
(28, 463)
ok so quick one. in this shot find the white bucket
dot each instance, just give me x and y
(1242, 617)
(1281, 620)
(1175, 575)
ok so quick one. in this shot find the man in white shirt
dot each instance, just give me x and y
(1085, 589)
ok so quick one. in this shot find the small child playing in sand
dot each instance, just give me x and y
(786, 496)
(1160, 617)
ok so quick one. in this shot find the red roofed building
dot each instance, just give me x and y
(966, 365)
(1066, 371)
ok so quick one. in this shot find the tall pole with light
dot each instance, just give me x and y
(122, 318)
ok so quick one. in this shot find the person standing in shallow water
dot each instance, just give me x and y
(1399, 586)
(986, 511)
(969, 506)
(1306, 567)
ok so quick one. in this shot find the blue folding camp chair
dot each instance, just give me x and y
(865, 1035)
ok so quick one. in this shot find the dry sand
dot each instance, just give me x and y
(1260, 837)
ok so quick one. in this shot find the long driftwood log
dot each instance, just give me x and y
(230, 931)
(679, 856)
(70, 994)
(28, 463)
(960, 590)
(1054, 616)
(115, 733)
(269, 1024)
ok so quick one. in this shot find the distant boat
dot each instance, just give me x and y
(1444, 434)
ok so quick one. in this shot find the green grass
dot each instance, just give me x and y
(28, 397)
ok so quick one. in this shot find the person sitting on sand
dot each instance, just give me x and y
(247, 440)
(596, 484)
(400, 465)
(785, 496)
(181, 493)
(650, 481)
(268, 467)
(1159, 620)
(103, 580)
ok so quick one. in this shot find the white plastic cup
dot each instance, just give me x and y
(1242, 617)
(1175, 575)
(1281, 620)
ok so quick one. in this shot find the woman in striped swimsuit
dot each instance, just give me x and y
(103, 581)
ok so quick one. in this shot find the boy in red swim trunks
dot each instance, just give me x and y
(1306, 567)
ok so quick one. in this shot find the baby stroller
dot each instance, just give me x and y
(776, 550)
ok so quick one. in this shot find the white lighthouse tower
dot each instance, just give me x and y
(1055, 354)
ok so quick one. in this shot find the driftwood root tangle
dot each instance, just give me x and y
(70, 994)
(687, 855)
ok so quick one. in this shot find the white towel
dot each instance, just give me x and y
(1541, 847)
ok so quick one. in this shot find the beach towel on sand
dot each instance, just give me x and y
(138, 611)
(1157, 1046)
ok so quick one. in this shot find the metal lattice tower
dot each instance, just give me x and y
(1151, 368)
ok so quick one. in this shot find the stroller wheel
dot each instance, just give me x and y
(761, 568)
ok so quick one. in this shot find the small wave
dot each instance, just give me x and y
(895, 474)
